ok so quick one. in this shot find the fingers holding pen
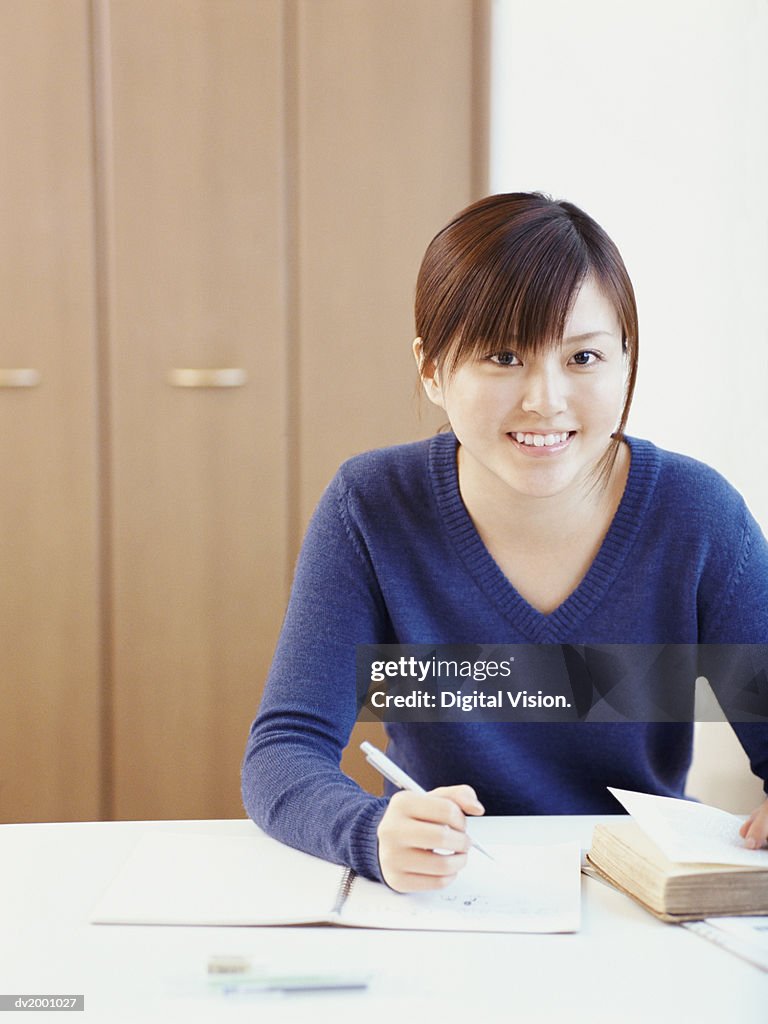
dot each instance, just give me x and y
(464, 796)
(417, 873)
(424, 822)
(416, 825)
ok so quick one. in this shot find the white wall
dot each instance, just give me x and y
(653, 117)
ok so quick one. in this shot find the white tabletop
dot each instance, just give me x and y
(622, 966)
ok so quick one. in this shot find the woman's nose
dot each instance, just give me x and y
(545, 391)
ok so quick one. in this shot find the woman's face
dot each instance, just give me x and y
(540, 424)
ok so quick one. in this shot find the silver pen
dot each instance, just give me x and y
(398, 777)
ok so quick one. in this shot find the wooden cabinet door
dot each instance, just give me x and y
(191, 122)
(275, 169)
(213, 212)
(49, 540)
(390, 109)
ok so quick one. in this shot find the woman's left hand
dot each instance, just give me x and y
(755, 828)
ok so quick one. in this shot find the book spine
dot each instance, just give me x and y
(343, 891)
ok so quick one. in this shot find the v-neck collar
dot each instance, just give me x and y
(535, 626)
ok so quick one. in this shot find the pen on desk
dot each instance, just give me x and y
(237, 975)
(386, 767)
(293, 983)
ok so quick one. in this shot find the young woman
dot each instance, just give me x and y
(535, 520)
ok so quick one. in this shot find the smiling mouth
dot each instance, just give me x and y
(551, 440)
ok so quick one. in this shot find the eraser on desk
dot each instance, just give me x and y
(225, 964)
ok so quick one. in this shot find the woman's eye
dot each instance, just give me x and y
(504, 358)
(586, 358)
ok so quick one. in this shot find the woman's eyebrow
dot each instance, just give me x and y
(587, 335)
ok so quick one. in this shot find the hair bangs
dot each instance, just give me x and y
(506, 285)
(526, 313)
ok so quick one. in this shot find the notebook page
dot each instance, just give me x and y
(524, 889)
(188, 879)
(687, 832)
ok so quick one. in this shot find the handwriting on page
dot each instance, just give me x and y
(524, 888)
(504, 887)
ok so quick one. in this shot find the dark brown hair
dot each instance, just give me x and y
(506, 271)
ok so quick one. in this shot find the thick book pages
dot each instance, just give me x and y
(675, 891)
(185, 879)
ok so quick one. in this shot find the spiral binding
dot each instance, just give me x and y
(342, 893)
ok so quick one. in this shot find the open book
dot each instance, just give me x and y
(187, 879)
(681, 860)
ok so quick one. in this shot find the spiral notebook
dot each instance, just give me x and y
(187, 879)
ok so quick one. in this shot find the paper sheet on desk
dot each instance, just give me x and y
(691, 833)
(175, 878)
(172, 879)
(747, 937)
(523, 889)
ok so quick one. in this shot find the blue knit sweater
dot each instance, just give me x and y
(391, 556)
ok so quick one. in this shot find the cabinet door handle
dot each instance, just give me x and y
(223, 377)
(21, 378)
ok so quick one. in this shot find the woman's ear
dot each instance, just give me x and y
(430, 376)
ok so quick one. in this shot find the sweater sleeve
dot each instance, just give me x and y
(292, 784)
(740, 617)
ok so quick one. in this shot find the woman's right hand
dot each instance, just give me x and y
(414, 826)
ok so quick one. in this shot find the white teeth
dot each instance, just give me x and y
(541, 440)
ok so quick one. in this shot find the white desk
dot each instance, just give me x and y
(622, 966)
